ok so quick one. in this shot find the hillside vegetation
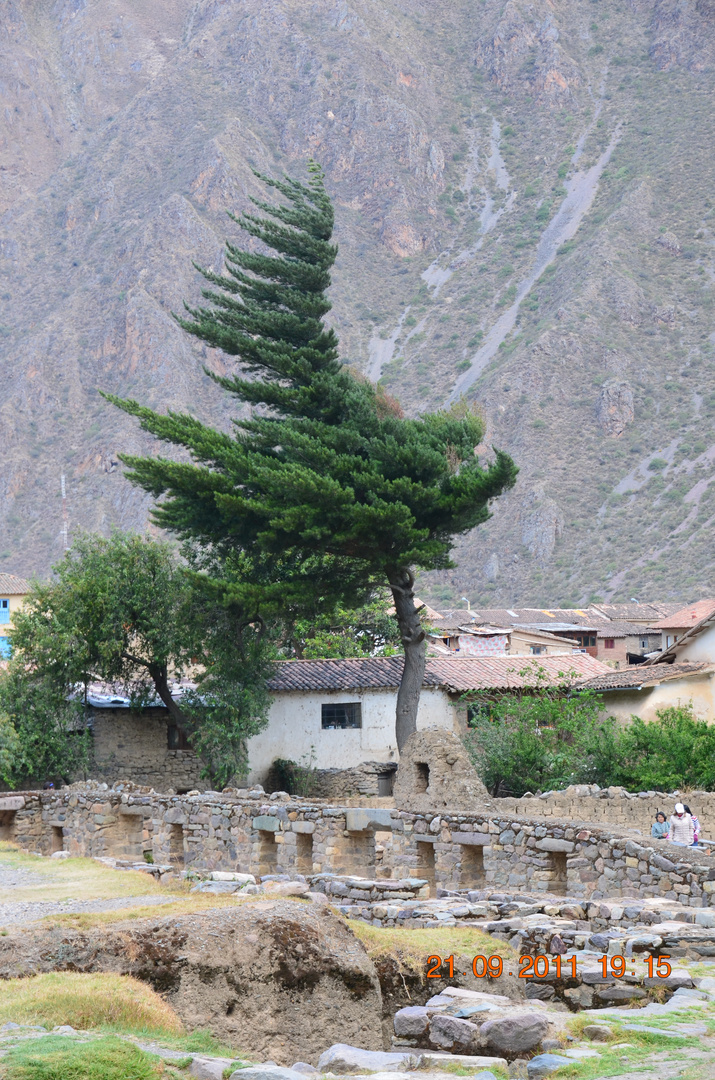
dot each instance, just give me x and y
(525, 209)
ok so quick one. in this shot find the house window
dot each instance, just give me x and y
(177, 738)
(609, 643)
(593, 641)
(4, 610)
(644, 643)
(348, 714)
(536, 650)
(5, 648)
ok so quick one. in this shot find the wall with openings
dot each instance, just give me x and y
(455, 851)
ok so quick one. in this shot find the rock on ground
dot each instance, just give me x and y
(247, 973)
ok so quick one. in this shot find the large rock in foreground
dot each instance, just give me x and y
(278, 978)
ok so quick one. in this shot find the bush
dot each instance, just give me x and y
(543, 740)
(676, 750)
(547, 737)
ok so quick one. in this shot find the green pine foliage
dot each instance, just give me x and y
(326, 487)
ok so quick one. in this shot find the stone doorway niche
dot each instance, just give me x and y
(177, 855)
(421, 777)
(267, 852)
(559, 873)
(304, 853)
(385, 784)
(7, 825)
(426, 864)
(471, 872)
(124, 838)
(57, 839)
(355, 854)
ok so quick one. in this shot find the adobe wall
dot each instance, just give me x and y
(613, 806)
(134, 746)
(247, 832)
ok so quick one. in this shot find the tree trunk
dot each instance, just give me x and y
(413, 641)
(160, 679)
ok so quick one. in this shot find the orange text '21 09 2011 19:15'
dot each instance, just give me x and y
(540, 967)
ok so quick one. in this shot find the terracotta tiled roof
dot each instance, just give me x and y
(454, 673)
(13, 586)
(687, 616)
(620, 629)
(632, 678)
(360, 673)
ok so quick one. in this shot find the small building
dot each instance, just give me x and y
(13, 591)
(469, 639)
(688, 634)
(617, 642)
(643, 690)
(328, 715)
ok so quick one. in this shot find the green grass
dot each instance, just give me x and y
(87, 1001)
(59, 1058)
(412, 947)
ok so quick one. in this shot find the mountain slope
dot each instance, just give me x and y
(524, 208)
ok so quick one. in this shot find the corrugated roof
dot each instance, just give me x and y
(13, 586)
(640, 613)
(686, 617)
(453, 673)
(632, 678)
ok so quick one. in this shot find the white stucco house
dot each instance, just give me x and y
(337, 714)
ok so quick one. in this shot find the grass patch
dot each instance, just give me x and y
(87, 1001)
(412, 947)
(60, 1058)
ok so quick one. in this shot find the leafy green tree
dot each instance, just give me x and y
(545, 737)
(676, 750)
(125, 611)
(325, 477)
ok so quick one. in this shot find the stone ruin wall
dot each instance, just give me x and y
(251, 833)
(613, 806)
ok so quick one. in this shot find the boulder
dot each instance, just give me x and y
(613, 995)
(677, 978)
(545, 1064)
(514, 1034)
(597, 1032)
(210, 1068)
(287, 888)
(341, 1058)
(451, 1033)
(266, 1072)
(412, 1022)
(303, 1067)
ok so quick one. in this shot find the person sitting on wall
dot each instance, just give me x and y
(660, 828)
(696, 823)
(681, 830)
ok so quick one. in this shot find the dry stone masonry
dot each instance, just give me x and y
(249, 832)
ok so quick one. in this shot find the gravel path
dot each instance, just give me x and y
(30, 912)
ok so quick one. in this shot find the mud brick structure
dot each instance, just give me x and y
(248, 832)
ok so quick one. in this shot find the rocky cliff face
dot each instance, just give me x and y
(524, 206)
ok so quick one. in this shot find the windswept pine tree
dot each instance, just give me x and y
(327, 481)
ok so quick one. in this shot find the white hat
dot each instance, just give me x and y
(679, 808)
